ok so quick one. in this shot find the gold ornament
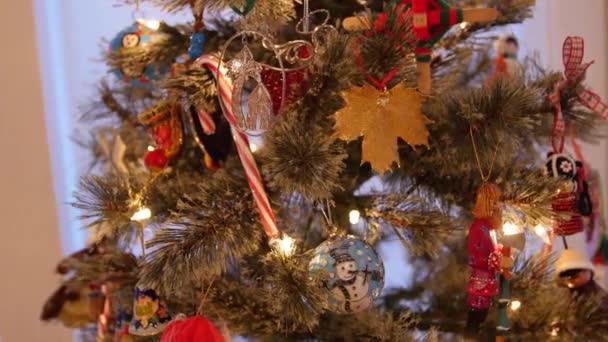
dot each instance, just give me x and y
(381, 117)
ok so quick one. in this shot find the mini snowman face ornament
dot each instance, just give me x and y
(347, 270)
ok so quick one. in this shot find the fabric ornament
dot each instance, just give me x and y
(195, 328)
(350, 271)
(164, 125)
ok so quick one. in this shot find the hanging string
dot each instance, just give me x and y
(137, 5)
(306, 17)
(328, 217)
(140, 232)
(199, 311)
(577, 150)
(484, 177)
(380, 84)
(329, 211)
(601, 194)
(198, 16)
(137, 199)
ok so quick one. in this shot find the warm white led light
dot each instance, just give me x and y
(515, 305)
(542, 232)
(510, 229)
(354, 216)
(285, 245)
(141, 215)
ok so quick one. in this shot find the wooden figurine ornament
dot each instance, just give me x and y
(431, 20)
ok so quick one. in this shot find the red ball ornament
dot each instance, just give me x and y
(156, 160)
(195, 328)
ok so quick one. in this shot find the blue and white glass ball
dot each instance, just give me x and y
(141, 35)
(351, 272)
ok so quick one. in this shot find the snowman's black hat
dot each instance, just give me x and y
(340, 255)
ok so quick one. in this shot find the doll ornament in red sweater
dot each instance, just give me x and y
(485, 258)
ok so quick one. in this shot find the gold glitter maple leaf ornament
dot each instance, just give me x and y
(381, 117)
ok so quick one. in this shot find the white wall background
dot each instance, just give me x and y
(30, 243)
(49, 67)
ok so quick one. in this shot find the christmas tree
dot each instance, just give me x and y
(230, 194)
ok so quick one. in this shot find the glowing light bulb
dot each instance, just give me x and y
(515, 305)
(510, 229)
(141, 215)
(285, 245)
(253, 147)
(554, 331)
(151, 148)
(354, 216)
(541, 231)
(151, 24)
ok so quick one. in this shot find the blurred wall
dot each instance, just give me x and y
(30, 241)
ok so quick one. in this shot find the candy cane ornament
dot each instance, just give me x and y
(252, 172)
(105, 322)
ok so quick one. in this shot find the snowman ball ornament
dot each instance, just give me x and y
(351, 272)
(142, 35)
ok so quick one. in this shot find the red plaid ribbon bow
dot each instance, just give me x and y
(573, 52)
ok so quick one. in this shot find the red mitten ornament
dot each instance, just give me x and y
(195, 328)
(484, 256)
(164, 125)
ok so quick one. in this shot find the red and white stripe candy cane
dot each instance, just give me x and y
(105, 321)
(252, 173)
(206, 121)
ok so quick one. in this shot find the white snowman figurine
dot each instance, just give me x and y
(351, 290)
